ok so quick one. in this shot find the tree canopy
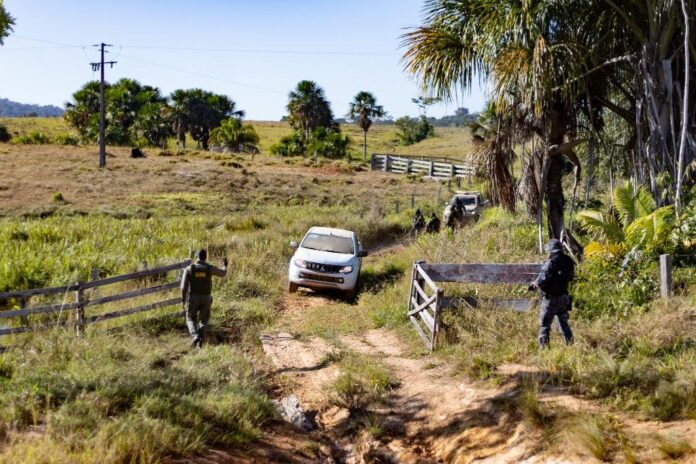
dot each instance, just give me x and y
(6, 23)
(567, 71)
(139, 114)
(308, 108)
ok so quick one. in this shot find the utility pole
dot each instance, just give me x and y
(102, 103)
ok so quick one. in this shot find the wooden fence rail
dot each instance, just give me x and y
(83, 301)
(406, 165)
(426, 300)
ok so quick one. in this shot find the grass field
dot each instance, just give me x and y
(96, 398)
(452, 142)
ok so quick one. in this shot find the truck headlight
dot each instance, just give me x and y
(346, 270)
(301, 263)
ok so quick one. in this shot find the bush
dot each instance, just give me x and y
(33, 138)
(235, 136)
(290, 145)
(329, 143)
(604, 287)
(4, 134)
(413, 130)
(66, 139)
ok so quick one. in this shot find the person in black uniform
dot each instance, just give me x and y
(433, 225)
(418, 223)
(196, 294)
(553, 280)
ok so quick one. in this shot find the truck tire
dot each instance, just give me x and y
(352, 294)
(292, 287)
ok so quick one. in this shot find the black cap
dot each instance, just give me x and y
(554, 246)
(202, 255)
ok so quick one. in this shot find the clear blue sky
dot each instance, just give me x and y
(345, 46)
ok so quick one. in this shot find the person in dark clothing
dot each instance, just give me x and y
(553, 280)
(196, 294)
(418, 223)
(433, 225)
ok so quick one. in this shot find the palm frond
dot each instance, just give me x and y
(652, 230)
(632, 204)
(602, 226)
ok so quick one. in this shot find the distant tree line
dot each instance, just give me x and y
(12, 109)
(138, 114)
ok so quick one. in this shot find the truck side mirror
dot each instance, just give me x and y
(294, 244)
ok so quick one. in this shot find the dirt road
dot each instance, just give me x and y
(436, 415)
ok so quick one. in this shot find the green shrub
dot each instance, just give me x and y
(603, 287)
(413, 130)
(66, 139)
(32, 138)
(329, 143)
(290, 145)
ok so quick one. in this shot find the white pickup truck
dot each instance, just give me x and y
(327, 258)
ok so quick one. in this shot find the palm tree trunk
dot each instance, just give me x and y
(553, 186)
(685, 109)
(364, 145)
(554, 196)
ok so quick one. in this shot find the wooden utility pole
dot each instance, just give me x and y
(102, 103)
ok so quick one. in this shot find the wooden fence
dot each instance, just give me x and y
(406, 165)
(82, 300)
(426, 300)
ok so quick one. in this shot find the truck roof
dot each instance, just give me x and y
(332, 231)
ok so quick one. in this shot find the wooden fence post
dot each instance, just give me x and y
(436, 318)
(386, 163)
(665, 276)
(413, 201)
(408, 166)
(23, 319)
(459, 182)
(432, 169)
(80, 310)
(396, 205)
(453, 171)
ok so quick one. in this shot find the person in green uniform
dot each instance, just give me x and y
(196, 294)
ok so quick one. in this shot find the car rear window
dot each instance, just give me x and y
(329, 243)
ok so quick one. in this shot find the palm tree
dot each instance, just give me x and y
(235, 136)
(493, 136)
(6, 23)
(362, 110)
(309, 108)
(198, 111)
(528, 52)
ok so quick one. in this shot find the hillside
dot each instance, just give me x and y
(11, 109)
(139, 393)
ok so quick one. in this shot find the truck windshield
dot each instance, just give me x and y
(468, 201)
(329, 243)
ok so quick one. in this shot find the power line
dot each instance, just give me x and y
(194, 73)
(50, 42)
(52, 47)
(267, 51)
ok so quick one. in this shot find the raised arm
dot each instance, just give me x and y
(220, 272)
